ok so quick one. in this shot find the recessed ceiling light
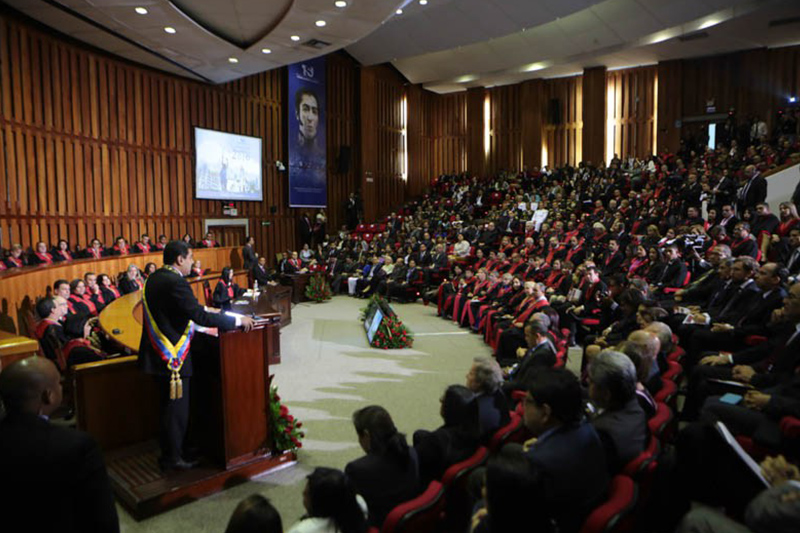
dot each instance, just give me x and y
(141, 10)
(169, 29)
(232, 60)
(266, 51)
(423, 2)
(295, 38)
(320, 23)
(340, 3)
(399, 11)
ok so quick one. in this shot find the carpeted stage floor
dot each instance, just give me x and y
(327, 372)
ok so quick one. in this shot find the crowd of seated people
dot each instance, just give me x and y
(43, 254)
(618, 260)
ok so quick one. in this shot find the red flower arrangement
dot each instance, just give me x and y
(284, 428)
(392, 334)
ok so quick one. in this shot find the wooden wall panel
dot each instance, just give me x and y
(476, 155)
(505, 129)
(633, 111)
(752, 82)
(443, 123)
(563, 142)
(531, 111)
(594, 114)
(91, 145)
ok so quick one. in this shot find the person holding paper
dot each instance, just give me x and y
(170, 313)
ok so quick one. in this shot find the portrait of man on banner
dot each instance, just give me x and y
(307, 150)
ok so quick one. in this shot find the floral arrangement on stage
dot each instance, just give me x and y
(318, 289)
(284, 428)
(392, 333)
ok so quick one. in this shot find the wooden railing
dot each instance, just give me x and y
(19, 288)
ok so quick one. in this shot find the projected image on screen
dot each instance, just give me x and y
(227, 166)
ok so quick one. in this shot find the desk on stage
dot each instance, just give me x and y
(118, 405)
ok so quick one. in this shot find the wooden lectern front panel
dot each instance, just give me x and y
(245, 394)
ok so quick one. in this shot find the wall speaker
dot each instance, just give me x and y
(554, 111)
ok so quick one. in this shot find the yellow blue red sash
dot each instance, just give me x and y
(172, 354)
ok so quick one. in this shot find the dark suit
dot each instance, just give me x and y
(261, 275)
(440, 449)
(538, 357)
(173, 304)
(55, 478)
(127, 286)
(571, 475)
(222, 295)
(492, 412)
(753, 193)
(623, 433)
(383, 483)
(249, 256)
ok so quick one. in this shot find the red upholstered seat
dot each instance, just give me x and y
(668, 393)
(458, 503)
(686, 280)
(790, 427)
(361, 228)
(208, 294)
(644, 464)
(674, 373)
(514, 431)
(610, 517)
(422, 514)
(676, 354)
(660, 423)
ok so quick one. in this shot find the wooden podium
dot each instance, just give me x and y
(230, 409)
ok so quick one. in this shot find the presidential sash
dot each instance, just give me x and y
(172, 354)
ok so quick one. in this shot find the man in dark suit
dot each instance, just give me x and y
(37, 456)
(398, 275)
(249, 254)
(567, 449)
(612, 262)
(305, 228)
(539, 354)
(260, 273)
(170, 308)
(727, 219)
(753, 192)
(753, 321)
(675, 272)
(763, 366)
(792, 259)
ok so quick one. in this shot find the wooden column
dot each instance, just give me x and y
(531, 102)
(368, 141)
(594, 114)
(476, 156)
(418, 176)
(670, 105)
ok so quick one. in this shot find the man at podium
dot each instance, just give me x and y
(171, 312)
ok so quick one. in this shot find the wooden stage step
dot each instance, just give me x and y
(144, 490)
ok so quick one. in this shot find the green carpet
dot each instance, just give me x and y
(327, 372)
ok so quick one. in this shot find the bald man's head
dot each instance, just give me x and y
(31, 386)
(647, 340)
(664, 334)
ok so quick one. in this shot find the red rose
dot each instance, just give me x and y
(299, 444)
(298, 425)
(290, 418)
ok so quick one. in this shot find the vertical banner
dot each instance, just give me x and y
(308, 179)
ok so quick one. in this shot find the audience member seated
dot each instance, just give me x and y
(35, 453)
(510, 490)
(255, 514)
(93, 292)
(261, 275)
(540, 354)
(453, 442)
(197, 269)
(485, 379)
(208, 242)
(143, 246)
(331, 504)
(107, 288)
(82, 347)
(149, 268)
(226, 290)
(15, 258)
(131, 280)
(389, 472)
(121, 247)
(95, 251)
(40, 255)
(619, 420)
(50, 330)
(567, 456)
(61, 252)
(78, 301)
